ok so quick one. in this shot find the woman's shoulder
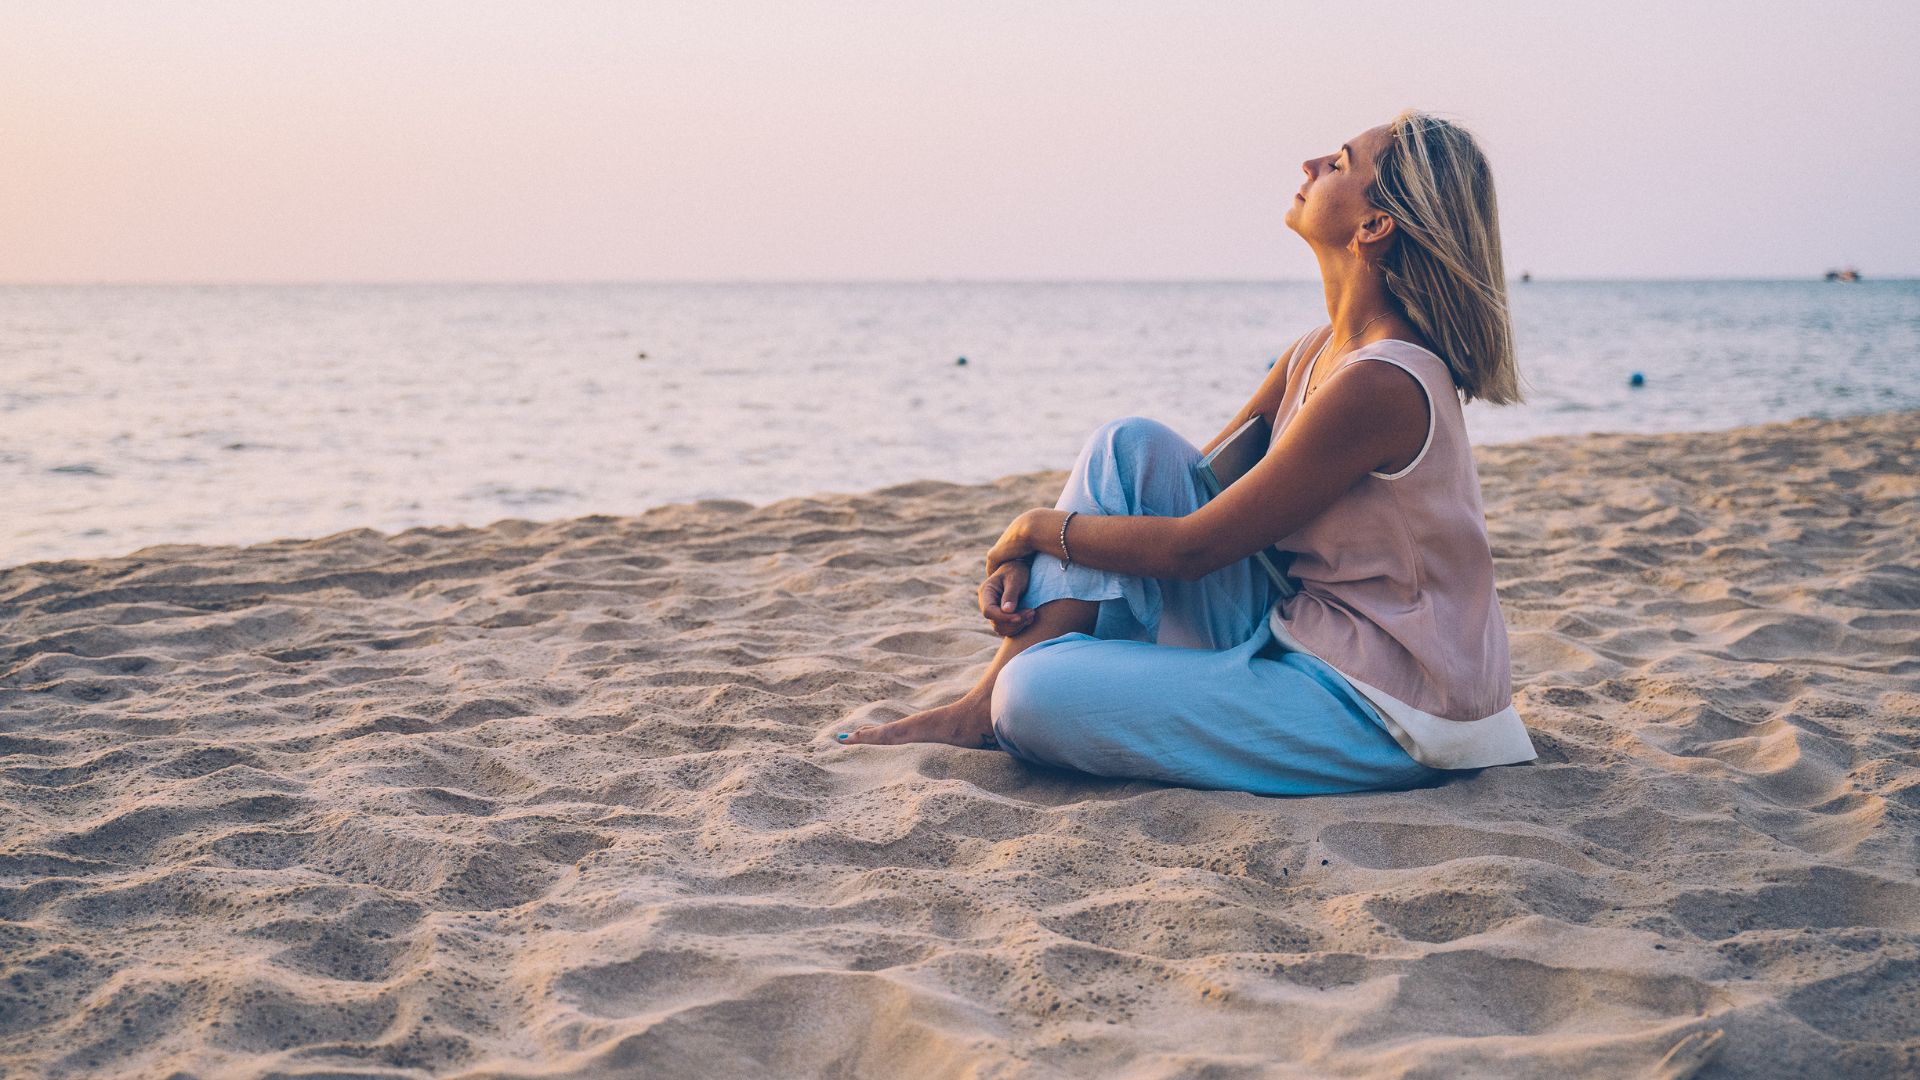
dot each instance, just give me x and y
(1398, 347)
(1420, 361)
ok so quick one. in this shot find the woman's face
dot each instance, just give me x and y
(1332, 203)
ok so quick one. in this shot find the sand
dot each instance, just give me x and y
(558, 800)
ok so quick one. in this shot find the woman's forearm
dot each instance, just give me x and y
(1146, 546)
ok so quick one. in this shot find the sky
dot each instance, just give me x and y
(588, 140)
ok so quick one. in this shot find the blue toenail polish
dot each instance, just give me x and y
(843, 735)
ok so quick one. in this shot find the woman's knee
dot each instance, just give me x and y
(1131, 437)
(1144, 458)
(1028, 690)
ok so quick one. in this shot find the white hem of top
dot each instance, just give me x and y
(1433, 741)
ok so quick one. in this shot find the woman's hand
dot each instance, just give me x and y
(1007, 572)
(1016, 543)
(1000, 599)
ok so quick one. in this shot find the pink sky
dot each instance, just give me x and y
(594, 141)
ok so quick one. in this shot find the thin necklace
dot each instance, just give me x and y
(1310, 388)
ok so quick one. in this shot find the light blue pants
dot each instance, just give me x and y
(1181, 681)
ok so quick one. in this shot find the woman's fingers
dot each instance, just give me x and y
(998, 615)
(1014, 582)
(1011, 623)
(1000, 598)
(1009, 582)
(993, 598)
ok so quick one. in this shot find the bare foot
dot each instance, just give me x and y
(966, 722)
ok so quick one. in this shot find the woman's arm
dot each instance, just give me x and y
(1365, 417)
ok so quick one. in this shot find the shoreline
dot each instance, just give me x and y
(721, 502)
(556, 799)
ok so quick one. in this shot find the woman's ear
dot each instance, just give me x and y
(1373, 232)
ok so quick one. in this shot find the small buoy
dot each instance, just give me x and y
(642, 356)
(1636, 379)
(962, 362)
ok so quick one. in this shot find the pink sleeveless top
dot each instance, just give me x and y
(1396, 584)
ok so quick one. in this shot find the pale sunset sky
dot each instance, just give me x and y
(575, 140)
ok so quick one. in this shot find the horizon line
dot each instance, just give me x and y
(523, 282)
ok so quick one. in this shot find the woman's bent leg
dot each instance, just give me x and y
(1233, 719)
(1139, 467)
(1133, 467)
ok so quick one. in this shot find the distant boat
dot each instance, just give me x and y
(1848, 274)
(1525, 277)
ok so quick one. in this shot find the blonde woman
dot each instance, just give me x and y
(1151, 644)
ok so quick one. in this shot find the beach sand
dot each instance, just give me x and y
(560, 800)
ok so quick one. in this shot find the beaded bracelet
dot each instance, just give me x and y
(1064, 550)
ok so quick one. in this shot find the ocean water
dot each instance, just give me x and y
(135, 415)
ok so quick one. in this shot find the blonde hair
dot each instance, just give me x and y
(1445, 269)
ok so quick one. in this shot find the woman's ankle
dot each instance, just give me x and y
(977, 698)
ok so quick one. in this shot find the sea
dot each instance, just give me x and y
(232, 414)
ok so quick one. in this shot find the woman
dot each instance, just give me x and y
(1153, 648)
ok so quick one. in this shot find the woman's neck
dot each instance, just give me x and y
(1358, 299)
